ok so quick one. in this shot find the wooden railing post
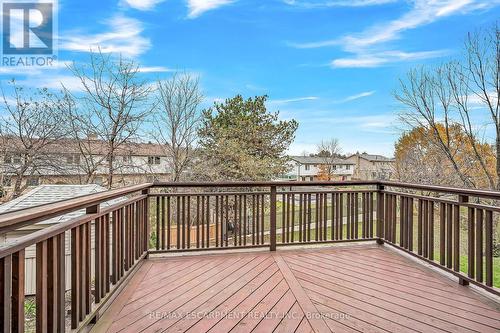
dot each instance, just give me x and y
(272, 218)
(380, 214)
(470, 249)
(17, 300)
(146, 220)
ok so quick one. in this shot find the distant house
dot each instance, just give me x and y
(372, 167)
(134, 163)
(309, 168)
(43, 195)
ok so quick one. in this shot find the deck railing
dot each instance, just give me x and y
(222, 215)
(454, 229)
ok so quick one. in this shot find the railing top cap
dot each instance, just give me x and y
(16, 219)
(263, 183)
(19, 218)
(445, 189)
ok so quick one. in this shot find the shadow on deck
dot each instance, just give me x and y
(366, 288)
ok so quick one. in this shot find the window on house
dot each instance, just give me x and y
(308, 167)
(153, 160)
(7, 182)
(98, 181)
(33, 181)
(151, 179)
(108, 158)
(12, 159)
(127, 158)
(73, 159)
(348, 167)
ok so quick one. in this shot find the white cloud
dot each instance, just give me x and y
(378, 123)
(314, 98)
(142, 4)
(155, 69)
(56, 76)
(480, 102)
(336, 3)
(195, 7)
(254, 87)
(367, 46)
(54, 81)
(367, 60)
(30, 71)
(358, 96)
(293, 100)
(198, 7)
(17, 70)
(123, 36)
(423, 12)
(210, 100)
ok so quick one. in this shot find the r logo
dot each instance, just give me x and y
(27, 28)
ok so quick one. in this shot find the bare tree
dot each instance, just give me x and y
(32, 127)
(92, 152)
(454, 94)
(113, 106)
(481, 76)
(176, 120)
(329, 151)
(428, 101)
(3, 152)
(461, 95)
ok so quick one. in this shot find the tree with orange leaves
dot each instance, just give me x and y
(324, 173)
(420, 157)
(457, 103)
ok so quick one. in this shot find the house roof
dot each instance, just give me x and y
(45, 194)
(319, 160)
(374, 158)
(96, 146)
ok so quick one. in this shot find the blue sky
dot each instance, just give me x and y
(330, 64)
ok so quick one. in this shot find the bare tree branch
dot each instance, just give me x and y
(113, 107)
(176, 120)
(32, 126)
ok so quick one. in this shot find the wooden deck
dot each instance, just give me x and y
(345, 289)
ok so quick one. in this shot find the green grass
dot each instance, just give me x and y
(296, 234)
(463, 247)
(464, 262)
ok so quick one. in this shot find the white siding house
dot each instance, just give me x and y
(133, 163)
(308, 168)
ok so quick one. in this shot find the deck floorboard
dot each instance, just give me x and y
(338, 289)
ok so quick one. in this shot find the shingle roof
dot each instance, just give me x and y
(374, 158)
(45, 194)
(319, 160)
(70, 146)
